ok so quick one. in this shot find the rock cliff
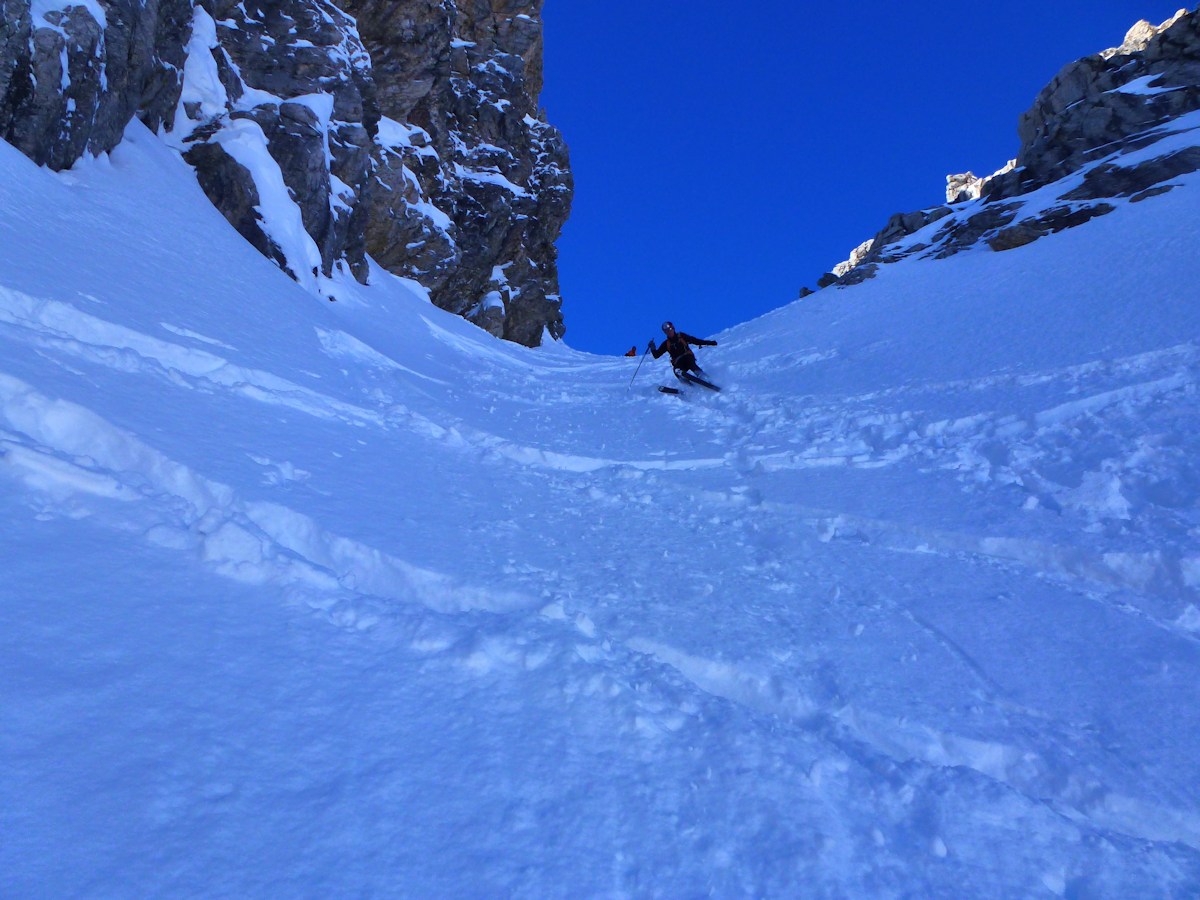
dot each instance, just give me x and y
(1108, 128)
(404, 130)
(72, 75)
(464, 78)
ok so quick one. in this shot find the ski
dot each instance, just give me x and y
(692, 379)
(669, 390)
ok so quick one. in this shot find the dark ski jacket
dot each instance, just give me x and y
(682, 356)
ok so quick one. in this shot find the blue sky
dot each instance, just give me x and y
(727, 154)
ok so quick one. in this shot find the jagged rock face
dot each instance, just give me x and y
(1110, 97)
(1091, 119)
(291, 78)
(14, 60)
(71, 78)
(966, 186)
(433, 156)
(473, 194)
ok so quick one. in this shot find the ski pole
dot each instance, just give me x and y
(639, 367)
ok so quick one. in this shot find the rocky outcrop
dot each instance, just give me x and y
(960, 188)
(1110, 180)
(1096, 104)
(276, 114)
(15, 85)
(478, 184)
(1059, 218)
(1093, 129)
(407, 129)
(72, 75)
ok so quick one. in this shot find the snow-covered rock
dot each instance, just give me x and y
(1108, 101)
(967, 186)
(74, 72)
(281, 93)
(485, 180)
(1109, 127)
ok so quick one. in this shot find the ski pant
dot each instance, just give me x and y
(684, 363)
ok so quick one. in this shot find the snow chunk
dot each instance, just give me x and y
(39, 9)
(1143, 87)
(244, 140)
(395, 135)
(489, 176)
(201, 79)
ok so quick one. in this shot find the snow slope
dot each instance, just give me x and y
(349, 599)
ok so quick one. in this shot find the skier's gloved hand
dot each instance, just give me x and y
(651, 346)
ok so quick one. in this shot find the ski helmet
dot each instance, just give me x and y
(668, 327)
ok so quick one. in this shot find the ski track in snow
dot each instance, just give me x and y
(989, 448)
(72, 455)
(77, 458)
(875, 439)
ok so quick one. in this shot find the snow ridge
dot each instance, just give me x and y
(69, 453)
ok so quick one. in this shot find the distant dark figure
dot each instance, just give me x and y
(683, 360)
(632, 351)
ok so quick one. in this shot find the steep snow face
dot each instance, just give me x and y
(348, 599)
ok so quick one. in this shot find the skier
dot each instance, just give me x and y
(683, 360)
